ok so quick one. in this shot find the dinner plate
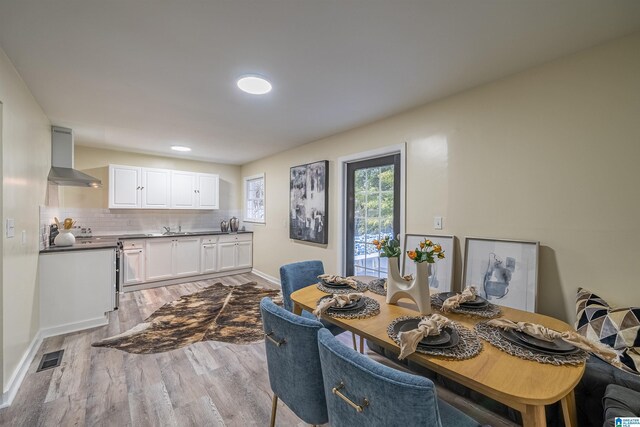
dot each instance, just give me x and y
(352, 306)
(548, 347)
(479, 302)
(335, 285)
(447, 338)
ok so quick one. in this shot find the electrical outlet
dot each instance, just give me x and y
(437, 222)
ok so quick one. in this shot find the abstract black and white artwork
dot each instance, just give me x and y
(308, 202)
(505, 272)
(441, 272)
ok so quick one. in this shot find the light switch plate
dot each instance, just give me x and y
(437, 222)
(11, 227)
(24, 237)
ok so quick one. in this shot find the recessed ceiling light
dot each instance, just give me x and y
(254, 85)
(180, 148)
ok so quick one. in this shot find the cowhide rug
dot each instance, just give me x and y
(217, 313)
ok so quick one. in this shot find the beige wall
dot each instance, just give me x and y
(95, 162)
(26, 153)
(550, 154)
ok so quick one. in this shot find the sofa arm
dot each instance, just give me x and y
(591, 390)
(620, 402)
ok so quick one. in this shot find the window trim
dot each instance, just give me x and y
(246, 180)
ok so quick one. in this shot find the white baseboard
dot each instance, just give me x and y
(74, 327)
(21, 371)
(267, 277)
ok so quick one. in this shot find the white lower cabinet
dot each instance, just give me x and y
(133, 263)
(159, 259)
(226, 256)
(166, 258)
(209, 257)
(235, 252)
(186, 256)
(172, 257)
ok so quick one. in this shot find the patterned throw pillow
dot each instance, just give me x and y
(616, 327)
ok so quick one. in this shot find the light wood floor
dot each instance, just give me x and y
(208, 383)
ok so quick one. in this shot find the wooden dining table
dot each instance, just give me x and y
(524, 385)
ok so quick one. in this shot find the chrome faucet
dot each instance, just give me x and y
(167, 230)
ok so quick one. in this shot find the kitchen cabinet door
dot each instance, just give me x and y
(244, 251)
(226, 256)
(124, 187)
(155, 188)
(183, 190)
(209, 258)
(186, 256)
(133, 264)
(159, 259)
(207, 191)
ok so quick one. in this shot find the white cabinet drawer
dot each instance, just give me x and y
(133, 244)
(209, 240)
(233, 238)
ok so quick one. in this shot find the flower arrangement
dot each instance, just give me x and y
(428, 251)
(388, 247)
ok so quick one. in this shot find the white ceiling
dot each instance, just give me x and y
(141, 75)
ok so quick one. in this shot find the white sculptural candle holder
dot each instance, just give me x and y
(416, 289)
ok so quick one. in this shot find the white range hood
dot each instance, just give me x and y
(62, 171)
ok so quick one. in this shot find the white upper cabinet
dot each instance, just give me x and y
(155, 188)
(148, 188)
(207, 191)
(124, 187)
(183, 190)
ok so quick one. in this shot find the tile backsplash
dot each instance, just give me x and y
(105, 222)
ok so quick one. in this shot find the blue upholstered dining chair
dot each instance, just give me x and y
(362, 392)
(299, 275)
(294, 364)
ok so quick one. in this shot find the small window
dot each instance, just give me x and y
(254, 198)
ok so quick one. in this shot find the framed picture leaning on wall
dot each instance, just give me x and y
(308, 202)
(441, 274)
(504, 271)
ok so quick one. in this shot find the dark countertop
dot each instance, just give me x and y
(83, 245)
(107, 242)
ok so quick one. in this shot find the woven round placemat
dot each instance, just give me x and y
(360, 287)
(492, 335)
(489, 312)
(468, 347)
(377, 286)
(371, 308)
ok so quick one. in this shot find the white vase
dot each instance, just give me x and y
(64, 238)
(416, 289)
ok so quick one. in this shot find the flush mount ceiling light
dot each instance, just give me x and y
(254, 85)
(181, 148)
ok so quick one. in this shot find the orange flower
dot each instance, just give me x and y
(441, 255)
(411, 254)
(422, 244)
(375, 242)
(428, 242)
(437, 248)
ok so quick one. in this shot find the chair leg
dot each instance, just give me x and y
(362, 345)
(274, 409)
(353, 337)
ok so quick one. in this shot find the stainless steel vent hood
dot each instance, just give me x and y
(62, 172)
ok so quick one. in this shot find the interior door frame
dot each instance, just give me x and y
(342, 186)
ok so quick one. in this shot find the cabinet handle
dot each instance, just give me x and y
(142, 188)
(138, 187)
